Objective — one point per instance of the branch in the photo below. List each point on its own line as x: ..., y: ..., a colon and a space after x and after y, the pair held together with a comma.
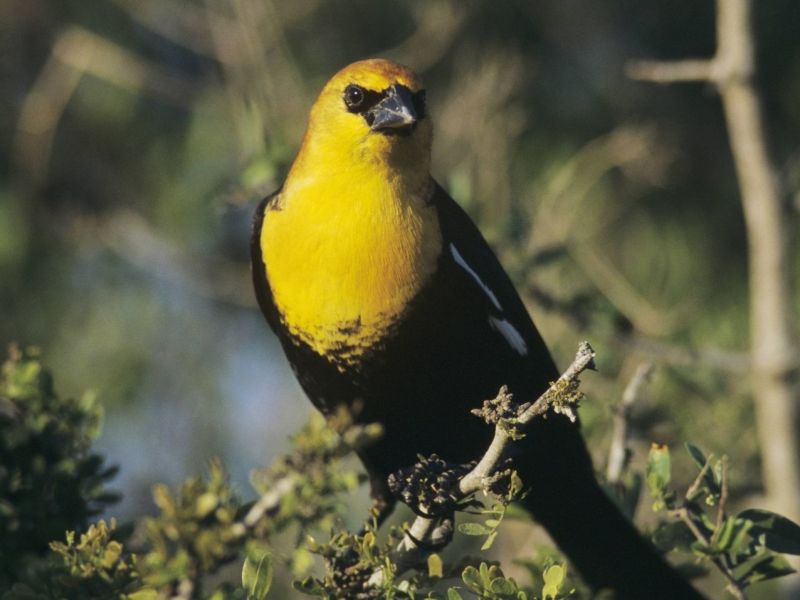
x: 267, y: 504
x: 734, y: 586
x: 657, y: 71
x: 618, y: 452
x: 774, y: 357
x: 409, y: 552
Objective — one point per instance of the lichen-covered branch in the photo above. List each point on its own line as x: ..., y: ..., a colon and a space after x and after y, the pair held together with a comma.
x: 508, y: 421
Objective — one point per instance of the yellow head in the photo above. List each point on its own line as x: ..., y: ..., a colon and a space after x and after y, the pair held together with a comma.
x: 370, y: 113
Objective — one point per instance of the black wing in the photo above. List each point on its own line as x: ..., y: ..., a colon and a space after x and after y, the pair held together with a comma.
x: 465, y: 247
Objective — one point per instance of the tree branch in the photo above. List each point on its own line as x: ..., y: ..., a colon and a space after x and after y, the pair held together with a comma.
x: 669, y: 72
x: 775, y: 362
x: 409, y: 552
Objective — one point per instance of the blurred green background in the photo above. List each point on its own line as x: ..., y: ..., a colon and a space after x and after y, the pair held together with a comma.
x: 136, y: 137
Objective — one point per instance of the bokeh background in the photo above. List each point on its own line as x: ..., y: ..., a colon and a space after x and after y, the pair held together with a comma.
x: 136, y: 137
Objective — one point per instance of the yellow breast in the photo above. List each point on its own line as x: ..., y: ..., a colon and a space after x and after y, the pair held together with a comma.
x: 345, y: 256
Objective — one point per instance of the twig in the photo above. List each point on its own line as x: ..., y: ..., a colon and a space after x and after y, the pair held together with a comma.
x: 186, y: 589
x: 723, y: 499
x: 699, y: 479
x: 672, y: 71
x: 408, y: 552
x: 266, y: 504
x: 721, y: 562
x: 618, y: 452
x: 734, y: 586
x: 473, y: 481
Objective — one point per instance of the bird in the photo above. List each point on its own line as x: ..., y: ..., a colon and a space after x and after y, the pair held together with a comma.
x: 388, y: 302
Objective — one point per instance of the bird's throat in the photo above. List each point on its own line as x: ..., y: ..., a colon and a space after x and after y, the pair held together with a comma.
x: 344, y: 260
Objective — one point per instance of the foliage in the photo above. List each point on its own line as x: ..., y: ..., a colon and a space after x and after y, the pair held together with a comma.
x: 203, y: 526
x: 199, y: 528
x: 746, y: 547
x: 93, y: 566
x: 317, y: 484
x: 50, y: 480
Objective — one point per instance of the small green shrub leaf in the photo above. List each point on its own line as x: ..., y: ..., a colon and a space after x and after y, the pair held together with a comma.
x: 780, y: 534
x: 697, y: 455
x: 452, y: 594
x: 553, y: 579
x: 473, y: 529
x: 435, y: 566
x: 257, y: 576
x: 489, y: 541
x: 767, y: 568
x: 502, y: 587
x: 472, y: 579
x: 658, y: 475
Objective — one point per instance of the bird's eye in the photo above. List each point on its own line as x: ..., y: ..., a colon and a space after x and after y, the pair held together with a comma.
x: 354, y: 96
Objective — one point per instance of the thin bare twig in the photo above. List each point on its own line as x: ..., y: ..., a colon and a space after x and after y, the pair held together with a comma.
x: 723, y: 499
x: 618, y: 453
x: 657, y: 71
x: 699, y: 479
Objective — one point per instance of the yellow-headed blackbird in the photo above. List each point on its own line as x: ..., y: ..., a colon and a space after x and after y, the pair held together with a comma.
x: 385, y: 296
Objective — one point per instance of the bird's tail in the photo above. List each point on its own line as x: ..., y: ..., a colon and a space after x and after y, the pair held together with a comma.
x: 585, y: 523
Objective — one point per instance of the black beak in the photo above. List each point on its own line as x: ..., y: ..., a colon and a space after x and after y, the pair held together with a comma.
x: 394, y: 111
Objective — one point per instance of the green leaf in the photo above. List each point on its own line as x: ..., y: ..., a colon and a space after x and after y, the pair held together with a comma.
x: 733, y: 535
x: 697, y: 455
x: 780, y: 534
x: 302, y: 561
x: 553, y: 579
x: 658, y: 473
x: 489, y: 541
x: 472, y: 579
x: 452, y: 594
x: 205, y: 504
x: 473, y: 529
x: 435, y: 566
x: 257, y: 576
x: 767, y: 568
x: 701, y: 549
x: 502, y: 586
x: 483, y: 570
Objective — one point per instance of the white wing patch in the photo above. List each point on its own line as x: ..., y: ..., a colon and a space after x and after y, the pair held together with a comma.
x: 502, y: 326
x: 463, y: 264
x: 512, y: 336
